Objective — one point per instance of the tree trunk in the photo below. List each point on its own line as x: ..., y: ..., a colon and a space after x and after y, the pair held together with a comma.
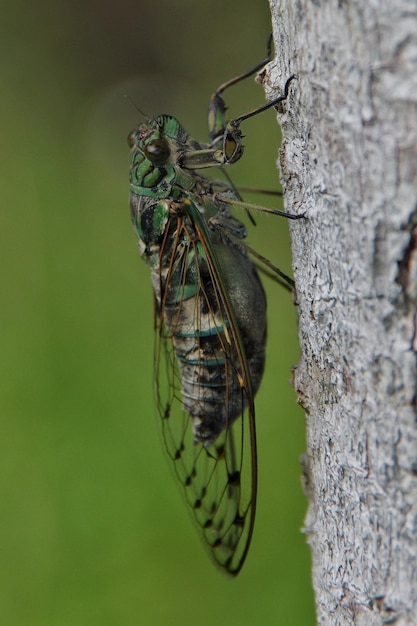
x: 349, y: 162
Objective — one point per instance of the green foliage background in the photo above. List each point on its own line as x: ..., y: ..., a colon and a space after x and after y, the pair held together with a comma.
x: 92, y: 528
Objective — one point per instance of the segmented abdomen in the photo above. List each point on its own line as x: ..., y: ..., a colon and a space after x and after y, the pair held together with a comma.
x: 214, y: 391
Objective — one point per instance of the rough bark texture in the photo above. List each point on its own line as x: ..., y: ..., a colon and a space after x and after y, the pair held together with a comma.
x: 349, y: 161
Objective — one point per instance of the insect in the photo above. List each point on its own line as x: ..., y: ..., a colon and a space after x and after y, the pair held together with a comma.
x: 210, y: 317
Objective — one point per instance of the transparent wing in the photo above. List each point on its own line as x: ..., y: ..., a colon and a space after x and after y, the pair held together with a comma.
x: 201, y: 367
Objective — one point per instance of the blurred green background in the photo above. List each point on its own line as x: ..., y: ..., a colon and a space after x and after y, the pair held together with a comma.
x: 93, y: 530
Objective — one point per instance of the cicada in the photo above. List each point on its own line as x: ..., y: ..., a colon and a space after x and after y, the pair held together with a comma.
x: 210, y: 318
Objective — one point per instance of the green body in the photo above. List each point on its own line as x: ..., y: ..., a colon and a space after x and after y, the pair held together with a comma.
x: 181, y: 230
x: 210, y: 318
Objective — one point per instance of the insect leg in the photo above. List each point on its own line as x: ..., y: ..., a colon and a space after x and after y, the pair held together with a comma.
x: 217, y: 121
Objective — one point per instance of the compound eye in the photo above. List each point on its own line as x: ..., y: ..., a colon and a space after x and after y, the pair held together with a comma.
x: 157, y: 151
x: 131, y: 138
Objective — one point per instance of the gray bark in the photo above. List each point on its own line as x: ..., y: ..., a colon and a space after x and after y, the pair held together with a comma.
x: 349, y: 162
